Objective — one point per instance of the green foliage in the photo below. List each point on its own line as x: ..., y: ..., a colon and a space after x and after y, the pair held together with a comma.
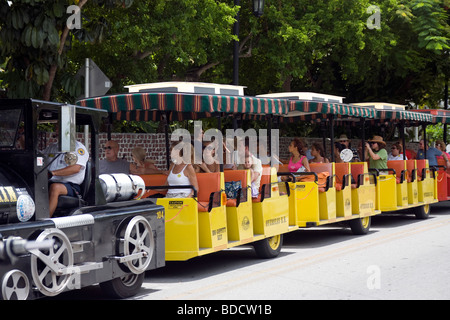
x: 297, y: 45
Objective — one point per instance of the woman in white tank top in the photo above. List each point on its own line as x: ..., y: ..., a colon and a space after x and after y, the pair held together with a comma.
x: 181, y: 174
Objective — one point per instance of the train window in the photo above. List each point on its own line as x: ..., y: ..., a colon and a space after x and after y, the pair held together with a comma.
x: 10, y: 128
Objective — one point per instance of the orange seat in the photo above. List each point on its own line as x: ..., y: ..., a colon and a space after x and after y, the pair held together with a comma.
x: 283, y: 168
x: 154, y: 180
x: 421, y: 165
x: 411, y: 168
x: 399, y: 167
x: 208, y: 189
x: 265, y: 180
x: 325, y: 173
x: 342, y: 175
x: 237, y: 175
x: 357, y: 169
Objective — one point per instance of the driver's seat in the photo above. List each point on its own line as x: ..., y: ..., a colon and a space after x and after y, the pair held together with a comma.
x: 67, y: 202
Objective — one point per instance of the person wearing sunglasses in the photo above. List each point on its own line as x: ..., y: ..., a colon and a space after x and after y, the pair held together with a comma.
x: 112, y: 163
x: 396, y: 152
x: 377, y: 154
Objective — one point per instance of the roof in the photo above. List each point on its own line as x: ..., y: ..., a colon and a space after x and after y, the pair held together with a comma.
x: 439, y: 115
x: 188, y: 87
x: 181, y: 106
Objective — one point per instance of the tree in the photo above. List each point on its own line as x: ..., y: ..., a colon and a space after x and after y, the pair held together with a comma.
x: 34, y: 41
x: 160, y: 40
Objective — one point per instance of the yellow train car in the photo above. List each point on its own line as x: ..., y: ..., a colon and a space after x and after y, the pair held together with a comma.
x: 330, y: 193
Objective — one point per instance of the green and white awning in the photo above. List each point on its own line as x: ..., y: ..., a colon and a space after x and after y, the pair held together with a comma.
x: 149, y: 106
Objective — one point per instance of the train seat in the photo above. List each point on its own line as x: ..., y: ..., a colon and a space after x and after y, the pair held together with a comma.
x: 324, y: 173
x: 234, y: 176
x: 265, y: 186
x: 400, y: 171
x: 154, y: 180
x: 209, y: 191
x: 411, y: 168
x: 67, y: 202
x: 342, y: 175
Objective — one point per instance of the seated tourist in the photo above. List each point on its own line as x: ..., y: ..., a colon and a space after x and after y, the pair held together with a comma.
x: 181, y: 172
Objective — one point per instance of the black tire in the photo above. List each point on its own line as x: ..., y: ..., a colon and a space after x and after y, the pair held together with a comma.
x: 422, y: 212
x: 125, y: 287
x: 269, y: 248
x: 360, y: 226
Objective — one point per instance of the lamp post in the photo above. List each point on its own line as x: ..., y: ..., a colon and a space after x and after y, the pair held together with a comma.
x: 258, y: 9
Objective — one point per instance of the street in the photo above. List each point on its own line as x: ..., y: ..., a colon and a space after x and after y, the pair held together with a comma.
x: 400, y: 258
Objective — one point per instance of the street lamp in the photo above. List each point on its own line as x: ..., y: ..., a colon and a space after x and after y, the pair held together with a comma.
x: 258, y: 9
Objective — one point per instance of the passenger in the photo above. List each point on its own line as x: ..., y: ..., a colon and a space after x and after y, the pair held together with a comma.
x: 347, y: 144
x: 255, y: 174
x: 209, y: 153
x: 298, y: 162
x: 181, y: 172
x: 440, y: 145
x: 142, y: 165
x: 306, y: 151
x: 432, y: 154
x: 377, y: 154
x: 410, y: 154
x: 112, y: 163
x: 395, y: 153
x: 318, y: 154
x: 66, y: 177
x: 338, y: 147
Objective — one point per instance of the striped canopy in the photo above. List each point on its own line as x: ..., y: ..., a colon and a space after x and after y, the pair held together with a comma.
x: 409, y: 116
x: 439, y: 115
x: 307, y: 110
x: 150, y: 106
x: 315, y: 110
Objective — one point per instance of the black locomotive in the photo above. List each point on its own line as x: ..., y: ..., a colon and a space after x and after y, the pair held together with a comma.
x: 88, y: 240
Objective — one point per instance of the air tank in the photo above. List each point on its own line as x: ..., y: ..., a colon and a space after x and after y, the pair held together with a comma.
x: 121, y: 186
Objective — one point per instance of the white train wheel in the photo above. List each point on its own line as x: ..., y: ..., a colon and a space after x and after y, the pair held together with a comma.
x: 47, y: 265
x: 15, y: 286
x: 138, y: 239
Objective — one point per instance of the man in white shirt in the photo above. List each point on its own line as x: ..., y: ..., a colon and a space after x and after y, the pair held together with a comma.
x: 66, y: 175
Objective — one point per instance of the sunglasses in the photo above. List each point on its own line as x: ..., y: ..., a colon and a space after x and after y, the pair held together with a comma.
x: 108, y: 148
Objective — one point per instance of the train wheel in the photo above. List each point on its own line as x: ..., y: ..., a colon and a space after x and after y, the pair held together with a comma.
x: 125, y: 287
x: 269, y: 248
x: 15, y: 286
x: 422, y: 212
x: 360, y: 226
x: 138, y: 239
x: 46, y: 264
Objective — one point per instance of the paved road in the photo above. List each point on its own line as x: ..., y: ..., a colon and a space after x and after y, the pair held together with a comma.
x: 400, y: 258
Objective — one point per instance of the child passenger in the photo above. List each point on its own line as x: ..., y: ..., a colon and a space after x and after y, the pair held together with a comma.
x: 255, y: 174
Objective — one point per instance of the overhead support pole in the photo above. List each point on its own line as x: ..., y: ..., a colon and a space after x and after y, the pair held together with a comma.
x: 363, y: 140
x: 331, y: 118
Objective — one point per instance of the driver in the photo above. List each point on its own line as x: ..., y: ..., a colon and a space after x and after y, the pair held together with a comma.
x: 67, y: 172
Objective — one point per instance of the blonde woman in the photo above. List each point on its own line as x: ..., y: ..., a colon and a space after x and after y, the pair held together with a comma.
x: 141, y: 165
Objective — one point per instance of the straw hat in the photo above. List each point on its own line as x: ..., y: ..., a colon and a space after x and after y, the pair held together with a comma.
x: 342, y: 137
x: 378, y: 140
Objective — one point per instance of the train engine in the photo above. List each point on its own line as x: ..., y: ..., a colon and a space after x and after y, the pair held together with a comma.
x: 93, y: 238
